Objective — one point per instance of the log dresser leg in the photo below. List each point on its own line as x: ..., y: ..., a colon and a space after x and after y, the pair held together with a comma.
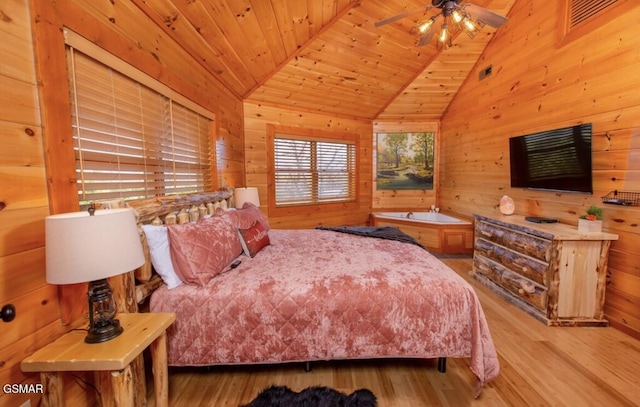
x: 53, y: 386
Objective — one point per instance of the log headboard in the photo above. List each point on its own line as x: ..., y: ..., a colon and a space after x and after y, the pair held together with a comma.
x: 130, y: 290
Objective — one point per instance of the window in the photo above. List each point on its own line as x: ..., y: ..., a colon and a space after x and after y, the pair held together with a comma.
x: 132, y: 141
x: 312, y: 167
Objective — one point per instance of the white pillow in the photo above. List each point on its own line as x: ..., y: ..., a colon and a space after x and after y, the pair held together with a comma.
x: 158, y: 242
x: 245, y: 249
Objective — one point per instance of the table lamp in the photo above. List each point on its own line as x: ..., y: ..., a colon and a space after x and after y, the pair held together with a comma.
x: 248, y: 194
x: 90, y: 247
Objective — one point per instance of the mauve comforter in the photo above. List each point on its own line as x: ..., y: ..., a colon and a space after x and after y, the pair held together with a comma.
x: 323, y: 295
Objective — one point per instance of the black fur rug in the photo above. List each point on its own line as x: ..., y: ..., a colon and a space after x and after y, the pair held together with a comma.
x: 282, y: 396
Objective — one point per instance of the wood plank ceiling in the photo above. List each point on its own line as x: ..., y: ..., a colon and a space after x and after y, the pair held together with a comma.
x: 324, y: 55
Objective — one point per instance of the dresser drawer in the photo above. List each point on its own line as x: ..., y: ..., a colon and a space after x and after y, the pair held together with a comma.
x: 514, y: 283
x: 525, y: 243
x: 525, y: 266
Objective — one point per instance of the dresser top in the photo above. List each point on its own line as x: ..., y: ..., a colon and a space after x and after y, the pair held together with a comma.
x: 551, y: 231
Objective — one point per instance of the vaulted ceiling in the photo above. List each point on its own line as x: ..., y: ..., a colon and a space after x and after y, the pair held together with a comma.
x: 324, y: 55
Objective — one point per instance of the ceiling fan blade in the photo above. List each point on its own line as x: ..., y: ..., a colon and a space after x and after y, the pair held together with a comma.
x: 401, y: 16
x: 495, y: 20
x: 426, y: 38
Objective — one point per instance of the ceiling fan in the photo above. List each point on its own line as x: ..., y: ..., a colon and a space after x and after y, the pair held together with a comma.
x: 454, y: 15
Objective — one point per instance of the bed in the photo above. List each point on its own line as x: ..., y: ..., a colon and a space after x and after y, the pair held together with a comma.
x: 244, y: 293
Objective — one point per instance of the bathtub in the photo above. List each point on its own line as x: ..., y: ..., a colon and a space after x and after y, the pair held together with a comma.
x: 438, y: 232
x: 428, y: 217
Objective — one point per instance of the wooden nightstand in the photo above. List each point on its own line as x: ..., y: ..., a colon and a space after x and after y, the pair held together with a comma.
x: 111, y: 360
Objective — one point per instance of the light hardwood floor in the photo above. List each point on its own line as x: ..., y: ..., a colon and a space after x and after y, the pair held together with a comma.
x: 540, y: 366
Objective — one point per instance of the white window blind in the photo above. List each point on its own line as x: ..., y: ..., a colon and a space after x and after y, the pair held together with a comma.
x: 309, y: 170
x: 131, y: 141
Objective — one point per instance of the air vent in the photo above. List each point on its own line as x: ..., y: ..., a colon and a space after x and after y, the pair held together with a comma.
x: 581, y: 17
x: 582, y: 10
x: 485, y: 72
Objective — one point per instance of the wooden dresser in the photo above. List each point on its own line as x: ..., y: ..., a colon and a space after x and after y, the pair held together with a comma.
x: 552, y: 271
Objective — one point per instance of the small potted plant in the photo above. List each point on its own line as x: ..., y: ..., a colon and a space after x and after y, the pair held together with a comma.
x: 591, y: 221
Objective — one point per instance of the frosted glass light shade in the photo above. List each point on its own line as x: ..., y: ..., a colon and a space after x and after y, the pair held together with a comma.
x: 249, y: 194
x: 81, y: 248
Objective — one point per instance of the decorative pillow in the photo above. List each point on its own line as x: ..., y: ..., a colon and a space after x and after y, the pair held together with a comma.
x: 201, y: 250
x: 254, y: 239
x: 245, y: 218
x: 158, y: 242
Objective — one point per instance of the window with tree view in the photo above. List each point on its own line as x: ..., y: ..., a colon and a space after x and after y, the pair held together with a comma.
x: 309, y: 169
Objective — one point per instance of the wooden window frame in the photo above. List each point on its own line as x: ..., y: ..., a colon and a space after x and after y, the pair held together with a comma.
x: 175, y: 158
x: 297, y: 133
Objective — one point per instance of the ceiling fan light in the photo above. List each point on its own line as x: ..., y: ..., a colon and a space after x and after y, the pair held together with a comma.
x: 457, y: 16
x: 444, y: 34
x: 468, y: 24
x: 472, y: 28
x: 444, y: 38
x: 425, y: 26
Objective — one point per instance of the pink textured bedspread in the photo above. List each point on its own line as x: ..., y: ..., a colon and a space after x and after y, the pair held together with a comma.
x: 323, y: 295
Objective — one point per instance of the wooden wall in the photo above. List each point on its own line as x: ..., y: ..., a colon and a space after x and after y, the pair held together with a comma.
x: 407, y: 200
x: 257, y: 118
x: 34, y: 112
x: 23, y: 204
x: 538, y: 84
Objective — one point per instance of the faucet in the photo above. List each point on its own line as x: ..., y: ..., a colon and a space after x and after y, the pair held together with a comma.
x: 410, y: 215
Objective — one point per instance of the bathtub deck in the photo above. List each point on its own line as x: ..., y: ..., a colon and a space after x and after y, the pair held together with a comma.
x: 441, y: 238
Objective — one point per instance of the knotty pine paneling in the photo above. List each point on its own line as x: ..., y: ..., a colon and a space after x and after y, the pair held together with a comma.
x: 30, y: 263
x: 256, y: 120
x: 28, y: 190
x: 115, y: 27
x: 17, y: 98
x: 536, y: 85
x: 405, y: 200
x: 23, y: 204
x: 21, y: 144
x: 199, y: 41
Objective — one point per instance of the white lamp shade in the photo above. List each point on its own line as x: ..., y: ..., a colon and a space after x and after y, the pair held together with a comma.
x: 249, y: 194
x: 81, y: 248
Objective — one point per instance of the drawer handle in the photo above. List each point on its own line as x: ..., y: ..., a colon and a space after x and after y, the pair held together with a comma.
x: 526, y: 287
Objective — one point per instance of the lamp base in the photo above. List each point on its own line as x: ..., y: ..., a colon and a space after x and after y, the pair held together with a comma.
x: 104, y: 333
x: 102, y: 310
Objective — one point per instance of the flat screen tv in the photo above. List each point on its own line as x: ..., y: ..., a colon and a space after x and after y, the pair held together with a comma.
x: 557, y: 160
